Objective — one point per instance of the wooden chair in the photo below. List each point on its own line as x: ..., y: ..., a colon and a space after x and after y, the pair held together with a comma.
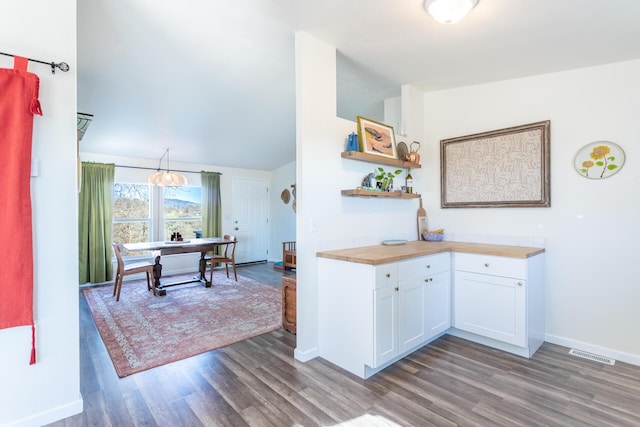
x: 228, y: 257
x: 289, y: 258
x: 132, y: 268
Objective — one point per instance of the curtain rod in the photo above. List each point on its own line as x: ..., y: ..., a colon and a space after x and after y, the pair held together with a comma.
x: 159, y: 169
x: 63, y: 66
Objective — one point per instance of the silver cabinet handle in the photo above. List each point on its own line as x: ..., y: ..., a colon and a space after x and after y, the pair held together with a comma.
x: 520, y: 283
x: 486, y: 264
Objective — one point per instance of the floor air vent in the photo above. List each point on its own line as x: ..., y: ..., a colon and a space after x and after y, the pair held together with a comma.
x: 591, y: 356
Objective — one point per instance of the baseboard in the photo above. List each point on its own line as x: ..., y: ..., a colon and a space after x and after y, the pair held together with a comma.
x: 632, y: 359
x: 49, y: 416
x: 305, y: 356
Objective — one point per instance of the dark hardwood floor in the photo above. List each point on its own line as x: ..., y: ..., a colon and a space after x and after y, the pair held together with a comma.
x: 446, y: 383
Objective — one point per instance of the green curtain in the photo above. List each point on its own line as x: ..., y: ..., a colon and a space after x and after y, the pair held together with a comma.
x: 95, y: 212
x: 211, y: 205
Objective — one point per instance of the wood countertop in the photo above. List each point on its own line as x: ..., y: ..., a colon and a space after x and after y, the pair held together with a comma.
x: 382, y: 254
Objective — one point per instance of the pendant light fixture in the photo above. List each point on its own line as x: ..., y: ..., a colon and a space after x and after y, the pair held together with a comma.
x: 167, y: 178
x: 449, y: 11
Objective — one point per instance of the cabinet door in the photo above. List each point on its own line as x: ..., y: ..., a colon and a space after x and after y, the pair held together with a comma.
x: 438, y: 289
x: 490, y: 306
x: 411, y: 314
x: 385, y: 314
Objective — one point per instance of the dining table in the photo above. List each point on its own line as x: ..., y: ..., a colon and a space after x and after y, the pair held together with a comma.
x: 171, y: 247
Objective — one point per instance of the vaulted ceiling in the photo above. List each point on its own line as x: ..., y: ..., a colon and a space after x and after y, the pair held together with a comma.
x: 214, y: 80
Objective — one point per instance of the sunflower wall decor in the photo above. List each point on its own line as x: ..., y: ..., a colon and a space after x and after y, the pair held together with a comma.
x: 600, y: 159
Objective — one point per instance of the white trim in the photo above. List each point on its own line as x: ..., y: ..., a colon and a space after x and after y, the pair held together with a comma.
x: 633, y: 359
x: 305, y: 356
x: 49, y: 416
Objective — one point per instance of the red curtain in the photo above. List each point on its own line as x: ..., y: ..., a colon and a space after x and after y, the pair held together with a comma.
x: 18, y: 103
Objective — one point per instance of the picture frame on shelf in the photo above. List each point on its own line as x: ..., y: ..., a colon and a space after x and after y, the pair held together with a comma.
x: 376, y: 138
x: 497, y: 169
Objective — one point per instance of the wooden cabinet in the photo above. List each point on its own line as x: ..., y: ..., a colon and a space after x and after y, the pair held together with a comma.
x: 499, y: 301
x: 371, y: 316
x: 372, y: 158
x: 289, y: 311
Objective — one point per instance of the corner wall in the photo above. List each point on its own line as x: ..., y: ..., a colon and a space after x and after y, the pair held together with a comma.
x: 591, y: 229
x: 283, y: 217
x: 50, y: 389
x: 326, y: 220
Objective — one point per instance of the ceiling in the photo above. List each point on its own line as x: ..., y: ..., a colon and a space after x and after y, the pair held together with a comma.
x: 214, y: 80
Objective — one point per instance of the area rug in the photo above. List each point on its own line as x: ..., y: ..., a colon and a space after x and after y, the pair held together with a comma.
x: 142, y: 331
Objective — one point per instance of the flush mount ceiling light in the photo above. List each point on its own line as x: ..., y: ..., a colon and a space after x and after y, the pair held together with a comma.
x: 167, y: 178
x: 449, y: 11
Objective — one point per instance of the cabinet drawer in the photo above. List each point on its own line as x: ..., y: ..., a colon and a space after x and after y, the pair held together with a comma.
x: 424, y: 266
x: 386, y: 275
x: 490, y: 264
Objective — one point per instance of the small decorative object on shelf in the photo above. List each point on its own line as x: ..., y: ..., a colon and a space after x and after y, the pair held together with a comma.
x: 409, y: 182
x: 367, y: 181
x: 402, y: 150
x: 386, y: 178
x: 352, y: 142
x: 376, y: 138
x: 413, y: 155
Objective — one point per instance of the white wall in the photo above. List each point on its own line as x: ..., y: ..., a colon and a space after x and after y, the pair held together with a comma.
x: 327, y: 220
x: 589, y: 232
x: 283, y: 217
x: 591, y: 229
x: 50, y: 389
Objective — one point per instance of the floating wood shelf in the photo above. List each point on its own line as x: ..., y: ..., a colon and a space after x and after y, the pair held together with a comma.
x: 361, y: 192
x: 372, y: 158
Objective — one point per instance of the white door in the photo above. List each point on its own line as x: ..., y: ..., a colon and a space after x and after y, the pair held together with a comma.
x: 250, y: 218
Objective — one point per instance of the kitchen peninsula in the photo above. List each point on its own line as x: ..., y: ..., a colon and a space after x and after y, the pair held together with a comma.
x: 379, y: 303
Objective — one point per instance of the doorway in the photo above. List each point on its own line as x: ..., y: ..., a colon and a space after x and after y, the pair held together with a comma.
x: 250, y: 217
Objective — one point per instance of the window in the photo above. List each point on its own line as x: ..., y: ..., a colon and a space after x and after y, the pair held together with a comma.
x: 143, y: 213
x: 131, y: 213
x: 182, y: 211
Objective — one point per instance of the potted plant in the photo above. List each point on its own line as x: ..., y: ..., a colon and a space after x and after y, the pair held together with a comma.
x: 386, y: 178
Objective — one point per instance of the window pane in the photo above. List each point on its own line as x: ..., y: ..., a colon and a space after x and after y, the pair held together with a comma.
x: 187, y: 228
x: 131, y: 201
x: 130, y: 231
x: 182, y: 202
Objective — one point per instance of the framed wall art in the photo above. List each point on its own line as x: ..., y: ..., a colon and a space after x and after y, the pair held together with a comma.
x: 376, y: 138
x: 599, y: 160
x: 501, y: 168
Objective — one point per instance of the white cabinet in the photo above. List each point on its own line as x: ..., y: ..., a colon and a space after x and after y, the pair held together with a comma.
x: 491, y: 306
x: 499, y: 301
x: 398, y: 311
x: 385, y: 316
x: 371, y: 316
x: 438, y: 304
